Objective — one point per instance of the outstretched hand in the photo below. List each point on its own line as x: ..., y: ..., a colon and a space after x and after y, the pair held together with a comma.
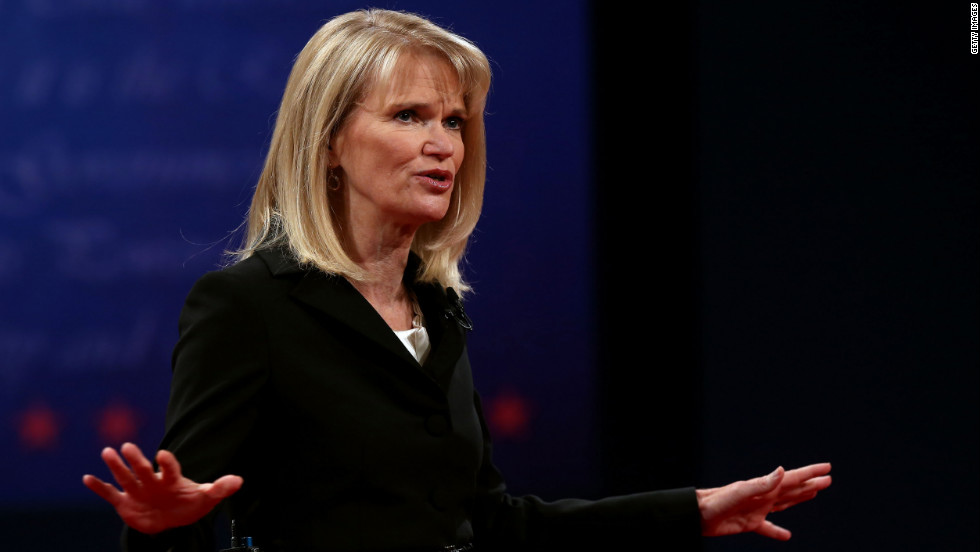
x: 150, y: 501
x: 743, y: 506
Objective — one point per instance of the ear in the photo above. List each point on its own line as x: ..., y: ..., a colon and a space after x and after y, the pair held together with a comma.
x: 331, y: 158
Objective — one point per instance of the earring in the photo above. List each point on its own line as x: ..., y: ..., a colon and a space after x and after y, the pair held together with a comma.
x: 333, y: 182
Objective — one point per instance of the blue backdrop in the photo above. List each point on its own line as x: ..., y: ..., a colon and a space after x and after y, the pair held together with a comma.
x: 133, y: 133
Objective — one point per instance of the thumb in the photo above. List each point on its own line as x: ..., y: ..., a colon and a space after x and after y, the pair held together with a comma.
x: 769, y: 482
x: 224, y: 487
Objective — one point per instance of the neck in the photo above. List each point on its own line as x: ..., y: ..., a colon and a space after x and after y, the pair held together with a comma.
x: 383, y: 254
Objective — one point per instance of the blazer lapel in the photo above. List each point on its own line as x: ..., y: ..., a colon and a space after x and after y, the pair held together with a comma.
x: 337, y: 298
x: 446, y: 336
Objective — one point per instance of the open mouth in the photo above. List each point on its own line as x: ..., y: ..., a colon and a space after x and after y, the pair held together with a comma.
x: 438, y: 175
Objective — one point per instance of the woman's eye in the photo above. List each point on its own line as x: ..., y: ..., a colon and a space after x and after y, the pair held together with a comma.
x: 404, y: 116
x: 454, y: 123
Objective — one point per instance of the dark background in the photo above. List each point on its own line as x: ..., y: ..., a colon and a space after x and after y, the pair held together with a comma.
x: 791, y: 207
x: 717, y: 238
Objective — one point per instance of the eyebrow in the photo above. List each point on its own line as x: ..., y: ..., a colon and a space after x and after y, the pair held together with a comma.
x: 415, y: 106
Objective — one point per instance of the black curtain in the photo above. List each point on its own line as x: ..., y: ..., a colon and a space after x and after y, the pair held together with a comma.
x: 788, y: 259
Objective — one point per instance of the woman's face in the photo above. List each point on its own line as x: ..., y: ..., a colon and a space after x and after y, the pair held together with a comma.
x: 400, y: 148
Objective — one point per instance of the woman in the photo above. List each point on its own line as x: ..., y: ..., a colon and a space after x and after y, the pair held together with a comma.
x: 328, y: 366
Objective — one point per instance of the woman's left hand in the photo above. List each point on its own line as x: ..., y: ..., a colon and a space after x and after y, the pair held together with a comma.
x: 743, y: 506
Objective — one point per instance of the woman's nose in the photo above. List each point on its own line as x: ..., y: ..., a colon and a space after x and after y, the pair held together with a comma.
x: 439, y: 143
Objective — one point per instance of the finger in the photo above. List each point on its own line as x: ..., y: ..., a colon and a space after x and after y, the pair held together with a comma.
x: 105, y: 490
x: 773, y: 531
x: 169, y: 467
x: 801, y: 494
x: 817, y: 483
x: 814, y: 485
x: 741, y: 491
x: 141, y: 467
x: 120, y: 472
x: 224, y: 487
x: 807, y: 472
x: 820, y: 483
x: 784, y: 504
x: 766, y: 483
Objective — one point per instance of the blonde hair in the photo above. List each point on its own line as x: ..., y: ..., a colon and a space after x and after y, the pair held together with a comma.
x: 292, y: 206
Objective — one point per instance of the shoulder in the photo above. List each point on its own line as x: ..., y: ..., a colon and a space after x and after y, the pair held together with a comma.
x: 256, y: 275
x: 240, y: 291
x: 231, y: 312
x: 253, y: 269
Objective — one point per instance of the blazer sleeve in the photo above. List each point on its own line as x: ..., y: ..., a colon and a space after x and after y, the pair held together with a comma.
x: 658, y: 520
x: 220, y: 364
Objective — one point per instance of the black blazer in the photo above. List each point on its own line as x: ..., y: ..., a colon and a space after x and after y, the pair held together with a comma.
x: 289, y: 378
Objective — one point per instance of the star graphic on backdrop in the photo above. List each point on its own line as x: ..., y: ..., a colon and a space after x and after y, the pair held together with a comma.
x: 38, y: 427
x: 508, y: 414
x: 117, y: 423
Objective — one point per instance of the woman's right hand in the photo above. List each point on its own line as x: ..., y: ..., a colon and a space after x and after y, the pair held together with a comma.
x: 150, y: 501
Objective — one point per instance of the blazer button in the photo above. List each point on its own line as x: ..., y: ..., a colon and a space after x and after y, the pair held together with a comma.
x: 437, y: 425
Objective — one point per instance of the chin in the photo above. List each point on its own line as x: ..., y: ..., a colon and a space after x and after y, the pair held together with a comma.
x: 421, y: 218
x: 435, y: 213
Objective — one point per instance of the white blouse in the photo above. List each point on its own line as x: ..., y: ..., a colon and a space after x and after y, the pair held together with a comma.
x: 416, y: 340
